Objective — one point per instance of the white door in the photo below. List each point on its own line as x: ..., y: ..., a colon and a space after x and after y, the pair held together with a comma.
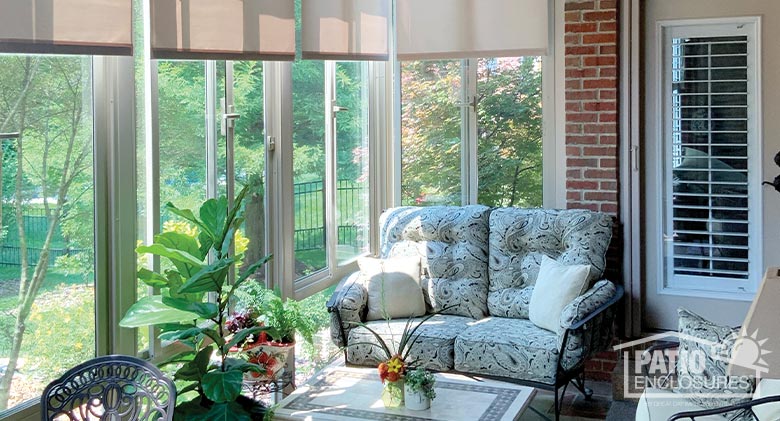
x: 708, y: 99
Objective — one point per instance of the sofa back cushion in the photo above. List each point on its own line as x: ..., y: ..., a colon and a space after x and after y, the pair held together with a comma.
x: 452, y: 243
x: 520, y: 237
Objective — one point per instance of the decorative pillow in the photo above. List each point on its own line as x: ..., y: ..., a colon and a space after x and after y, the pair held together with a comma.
x: 556, y: 286
x: 707, y: 382
x: 393, y: 287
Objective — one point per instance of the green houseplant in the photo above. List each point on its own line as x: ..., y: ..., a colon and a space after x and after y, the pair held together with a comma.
x: 286, y: 317
x: 419, y: 391
x: 209, y: 379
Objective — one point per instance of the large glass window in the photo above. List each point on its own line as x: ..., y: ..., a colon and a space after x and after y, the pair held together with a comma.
x: 47, y: 259
x: 471, y: 131
x: 431, y: 132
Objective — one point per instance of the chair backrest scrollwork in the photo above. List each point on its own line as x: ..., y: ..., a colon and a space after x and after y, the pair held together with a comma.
x: 113, y: 387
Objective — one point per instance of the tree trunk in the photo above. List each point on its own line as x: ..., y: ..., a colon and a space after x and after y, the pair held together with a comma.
x: 254, y: 228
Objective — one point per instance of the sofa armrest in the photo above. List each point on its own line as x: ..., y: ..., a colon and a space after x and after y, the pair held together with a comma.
x: 346, y: 306
x: 586, y: 324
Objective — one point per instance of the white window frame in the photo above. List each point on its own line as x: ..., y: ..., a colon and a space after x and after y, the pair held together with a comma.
x: 114, y: 176
x: 280, y: 209
x: 687, y: 285
x: 553, y: 121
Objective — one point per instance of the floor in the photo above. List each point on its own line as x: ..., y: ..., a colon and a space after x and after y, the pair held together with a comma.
x: 577, y: 408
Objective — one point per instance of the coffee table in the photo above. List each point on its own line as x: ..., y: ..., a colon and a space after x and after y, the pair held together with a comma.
x: 347, y: 393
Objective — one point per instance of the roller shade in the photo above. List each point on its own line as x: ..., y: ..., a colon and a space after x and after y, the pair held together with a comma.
x: 101, y: 27
x: 223, y: 29
x: 345, y: 29
x: 451, y: 29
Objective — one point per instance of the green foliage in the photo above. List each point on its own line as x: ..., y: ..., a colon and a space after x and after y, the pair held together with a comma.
x: 509, y: 138
x: 421, y: 380
x: 182, y: 314
x: 286, y: 317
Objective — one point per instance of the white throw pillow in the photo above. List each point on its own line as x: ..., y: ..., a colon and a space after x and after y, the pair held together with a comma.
x: 556, y: 286
x: 393, y: 287
x: 767, y: 411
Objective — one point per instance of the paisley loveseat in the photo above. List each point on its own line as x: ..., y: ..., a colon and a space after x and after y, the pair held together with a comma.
x: 479, y: 267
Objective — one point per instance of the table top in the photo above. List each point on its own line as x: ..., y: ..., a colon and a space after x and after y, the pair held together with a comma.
x: 350, y: 393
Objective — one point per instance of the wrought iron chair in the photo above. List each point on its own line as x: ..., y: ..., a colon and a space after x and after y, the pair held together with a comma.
x: 113, y: 387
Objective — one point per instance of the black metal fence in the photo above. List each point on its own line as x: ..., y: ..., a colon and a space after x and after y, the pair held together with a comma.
x: 310, y: 214
x: 309, y: 223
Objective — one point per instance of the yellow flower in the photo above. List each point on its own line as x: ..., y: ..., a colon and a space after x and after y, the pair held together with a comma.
x: 395, y: 364
x: 79, y: 345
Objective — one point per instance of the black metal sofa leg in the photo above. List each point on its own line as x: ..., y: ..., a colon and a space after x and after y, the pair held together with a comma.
x: 579, y: 383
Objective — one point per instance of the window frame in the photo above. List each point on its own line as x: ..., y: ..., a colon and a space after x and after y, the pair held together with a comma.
x: 717, y: 288
x: 113, y: 115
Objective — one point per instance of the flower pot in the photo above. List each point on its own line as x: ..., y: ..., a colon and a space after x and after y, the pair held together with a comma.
x: 393, y: 394
x: 273, y: 356
x: 415, y: 399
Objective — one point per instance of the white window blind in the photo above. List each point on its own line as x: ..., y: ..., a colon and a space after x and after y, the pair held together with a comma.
x: 452, y: 29
x: 98, y: 27
x: 345, y: 29
x: 223, y: 29
x: 711, y: 193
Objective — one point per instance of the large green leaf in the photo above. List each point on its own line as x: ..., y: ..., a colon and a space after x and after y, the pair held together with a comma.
x: 186, y: 214
x: 177, y: 335
x: 196, y: 369
x: 175, y: 256
x: 222, y: 386
x: 204, y: 310
x: 152, y: 311
x: 178, y: 241
x: 213, y: 213
x: 225, y: 411
x: 210, y: 278
x: 153, y: 279
x: 247, y: 273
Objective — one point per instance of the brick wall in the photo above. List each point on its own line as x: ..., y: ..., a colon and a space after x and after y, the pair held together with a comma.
x: 591, y: 47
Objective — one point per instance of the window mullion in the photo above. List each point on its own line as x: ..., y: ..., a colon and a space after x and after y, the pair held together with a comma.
x: 469, y: 169
x: 331, y: 235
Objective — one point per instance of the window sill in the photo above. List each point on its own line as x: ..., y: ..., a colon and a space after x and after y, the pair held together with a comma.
x: 716, y: 295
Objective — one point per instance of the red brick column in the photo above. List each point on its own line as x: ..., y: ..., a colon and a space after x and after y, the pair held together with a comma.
x: 591, y: 105
x: 591, y: 47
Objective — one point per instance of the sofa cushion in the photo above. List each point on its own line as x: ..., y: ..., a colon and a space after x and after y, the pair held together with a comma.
x: 505, y: 347
x: 433, y: 350
x: 520, y: 237
x: 659, y: 405
x: 393, y: 287
x: 452, y: 244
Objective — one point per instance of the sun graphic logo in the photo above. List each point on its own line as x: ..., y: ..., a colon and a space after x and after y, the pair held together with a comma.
x: 748, y: 352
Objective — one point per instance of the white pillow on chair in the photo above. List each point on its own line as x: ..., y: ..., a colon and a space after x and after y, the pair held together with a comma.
x: 556, y: 286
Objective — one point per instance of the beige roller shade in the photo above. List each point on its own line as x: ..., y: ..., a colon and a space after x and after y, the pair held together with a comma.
x: 345, y: 29
x: 101, y: 27
x: 223, y: 29
x: 442, y: 29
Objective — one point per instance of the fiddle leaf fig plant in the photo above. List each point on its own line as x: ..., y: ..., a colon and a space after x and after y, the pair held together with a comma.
x: 198, y: 269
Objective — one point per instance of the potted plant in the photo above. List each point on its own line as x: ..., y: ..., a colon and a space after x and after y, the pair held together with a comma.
x: 209, y: 379
x: 418, y: 389
x: 284, y: 317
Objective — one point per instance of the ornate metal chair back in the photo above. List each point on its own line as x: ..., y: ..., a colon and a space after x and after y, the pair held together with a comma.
x: 111, y: 388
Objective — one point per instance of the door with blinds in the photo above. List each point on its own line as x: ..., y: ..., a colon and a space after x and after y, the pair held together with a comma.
x: 704, y: 160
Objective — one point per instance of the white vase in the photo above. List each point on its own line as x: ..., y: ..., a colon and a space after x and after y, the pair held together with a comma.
x: 415, y: 399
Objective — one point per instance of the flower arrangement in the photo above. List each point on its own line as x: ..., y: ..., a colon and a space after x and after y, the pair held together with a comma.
x: 392, y: 370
